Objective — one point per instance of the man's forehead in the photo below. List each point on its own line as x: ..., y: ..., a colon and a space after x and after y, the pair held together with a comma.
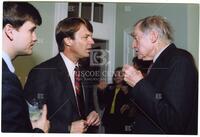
x: 84, y: 29
x: 136, y: 31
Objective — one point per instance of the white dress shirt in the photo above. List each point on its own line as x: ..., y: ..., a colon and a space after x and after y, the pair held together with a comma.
x: 70, y: 67
x: 8, y: 61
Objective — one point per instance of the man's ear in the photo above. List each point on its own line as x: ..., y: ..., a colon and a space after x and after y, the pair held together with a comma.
x: 68, y: 41
x: 9, y: 31
x: 153, y: 36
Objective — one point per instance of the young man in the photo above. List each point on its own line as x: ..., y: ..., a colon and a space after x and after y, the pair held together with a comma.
x: 168, y: 96
x: 69, y: 104
x: 20, y: 20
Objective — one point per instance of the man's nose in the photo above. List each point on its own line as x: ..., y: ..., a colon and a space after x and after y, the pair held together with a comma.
x: 34, y: 37
x: 134, y: 45
x: 91, y: 41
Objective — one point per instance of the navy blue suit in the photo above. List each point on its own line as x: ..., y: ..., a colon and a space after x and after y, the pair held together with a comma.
x: 168, y: 96
x: 51, y: 80
x: 15, y: 115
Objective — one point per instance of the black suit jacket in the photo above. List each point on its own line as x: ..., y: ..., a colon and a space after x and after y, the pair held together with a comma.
x: 167, y: 97
x: 50, y: 81
x: 15, y: 115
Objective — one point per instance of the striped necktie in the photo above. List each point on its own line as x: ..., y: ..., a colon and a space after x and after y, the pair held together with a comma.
x: 79, y: 93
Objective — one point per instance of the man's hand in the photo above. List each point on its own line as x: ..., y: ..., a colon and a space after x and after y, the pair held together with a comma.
x: 42, y: 123
x: 93, y: 119
x: 124, y: 108
x: 131, y: 75
x: 79, y: 126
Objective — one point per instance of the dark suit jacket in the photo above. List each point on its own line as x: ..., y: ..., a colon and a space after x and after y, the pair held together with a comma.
x: 168, y: 96
x: 50, y: 81
x: 15, y: 115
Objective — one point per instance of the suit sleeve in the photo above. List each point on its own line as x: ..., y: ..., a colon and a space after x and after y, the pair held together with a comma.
x: 170, y: 107
x: 15, y: 117
x: 58, y: 126
x: 39, y: 85
x: 90, y: 99
x: 36, y: 86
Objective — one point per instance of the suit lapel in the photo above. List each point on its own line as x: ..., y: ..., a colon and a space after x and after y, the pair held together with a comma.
x: 85, y: 95
x: 64, y: 76
x: 161, y: 61
x: 84, y: 87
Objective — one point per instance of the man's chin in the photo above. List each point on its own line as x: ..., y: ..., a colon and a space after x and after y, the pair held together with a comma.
x: 84, y: 56
x: 140, y: 57
x: 143, y: 57
x: 87, y: 55
x: 147, y: 58
x: 26, y: 53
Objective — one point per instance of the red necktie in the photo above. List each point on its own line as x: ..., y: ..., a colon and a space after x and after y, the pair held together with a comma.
x: 77, y: 80
x: 79, y: 94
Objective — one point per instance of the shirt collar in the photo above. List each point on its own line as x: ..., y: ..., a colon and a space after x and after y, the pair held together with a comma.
x: 69, y: 64
x: 8, y: 61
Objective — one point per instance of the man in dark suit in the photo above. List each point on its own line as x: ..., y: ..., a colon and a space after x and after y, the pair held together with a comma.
x: 167, y: 97
x: 55, y: 80
x: 20, y: 20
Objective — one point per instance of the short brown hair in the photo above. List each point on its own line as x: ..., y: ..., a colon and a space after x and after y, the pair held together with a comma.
x: 16, y: 13
x: 67, y: 27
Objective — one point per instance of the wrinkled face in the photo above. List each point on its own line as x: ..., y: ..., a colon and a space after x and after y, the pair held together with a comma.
x: 24, y: 38
x: 81, y: 45
x: 142, y: 44
x: 118, y: 77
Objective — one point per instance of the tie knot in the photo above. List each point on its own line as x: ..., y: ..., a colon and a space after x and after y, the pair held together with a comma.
x: 77, y: 73
x: 76, y: 68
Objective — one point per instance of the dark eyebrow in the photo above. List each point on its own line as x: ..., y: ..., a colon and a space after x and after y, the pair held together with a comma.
x: 132, y: 35
x: 87, y: 35
x: 33, y: 28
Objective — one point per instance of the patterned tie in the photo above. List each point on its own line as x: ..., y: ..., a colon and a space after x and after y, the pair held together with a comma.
x: 77, y: 80
x: 79, y: 93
